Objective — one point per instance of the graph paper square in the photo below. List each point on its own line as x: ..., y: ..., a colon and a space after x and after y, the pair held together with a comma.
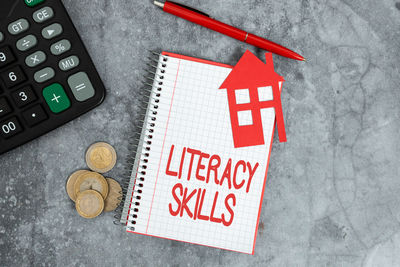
x: 193, y: 114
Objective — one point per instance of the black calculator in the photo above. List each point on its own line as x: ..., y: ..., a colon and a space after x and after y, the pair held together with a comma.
x: 46, y: 75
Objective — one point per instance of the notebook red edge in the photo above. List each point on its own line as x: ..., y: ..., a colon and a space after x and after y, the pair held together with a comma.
x: 204, y: 61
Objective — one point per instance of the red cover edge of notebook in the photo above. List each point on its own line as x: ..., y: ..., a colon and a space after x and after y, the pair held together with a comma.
x: 266, y: 170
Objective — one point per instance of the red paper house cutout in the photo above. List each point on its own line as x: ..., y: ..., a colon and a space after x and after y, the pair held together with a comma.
x: 252, y: 74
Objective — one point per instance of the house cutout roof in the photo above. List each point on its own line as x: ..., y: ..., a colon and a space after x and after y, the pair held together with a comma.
x: 250, y: 71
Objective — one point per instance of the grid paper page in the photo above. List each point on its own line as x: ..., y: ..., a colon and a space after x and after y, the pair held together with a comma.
x: 194, y: 114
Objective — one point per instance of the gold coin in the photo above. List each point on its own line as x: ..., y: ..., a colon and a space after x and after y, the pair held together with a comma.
x: 71, y: 182
x: 101, y: 157
x: 89, y: 204
x: 91, y: 181
x: 114, y: 195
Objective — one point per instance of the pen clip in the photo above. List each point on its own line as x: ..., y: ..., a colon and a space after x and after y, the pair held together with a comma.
x: 190, y: 8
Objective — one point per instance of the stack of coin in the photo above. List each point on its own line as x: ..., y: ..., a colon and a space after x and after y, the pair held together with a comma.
x: 91, y: 192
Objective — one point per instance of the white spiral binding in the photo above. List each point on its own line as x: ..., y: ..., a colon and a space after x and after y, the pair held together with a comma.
x: 141, y: 142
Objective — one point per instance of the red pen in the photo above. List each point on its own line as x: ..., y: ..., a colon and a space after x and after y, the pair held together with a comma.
x: 204, y: 20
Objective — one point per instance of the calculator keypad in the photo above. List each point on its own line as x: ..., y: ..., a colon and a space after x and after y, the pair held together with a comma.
x: 26, y: 43
x: 52, y: 31
x: 4, y: 107
x: 6, y: 56
x: 19, y: 26
x: 34, y: 115
x: 35, y: 59
x: 23, y: 96
x: 10, y: 127
x: 43, y: 14
x: 13, y: 76
x: 46, y: 75
x: 81, y: 86
x: 56, y: 98
x: 68, y: 63
x: 33, y: 3
x: 60, y: 47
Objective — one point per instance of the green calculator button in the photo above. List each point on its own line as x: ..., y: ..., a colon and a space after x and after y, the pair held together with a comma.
x: 56, y: 98
x: 32, y: 3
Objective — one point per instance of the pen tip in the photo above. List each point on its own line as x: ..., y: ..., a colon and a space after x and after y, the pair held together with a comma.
x: 298, y: 57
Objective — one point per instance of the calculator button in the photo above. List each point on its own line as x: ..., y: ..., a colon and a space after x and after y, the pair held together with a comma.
x: 34, y: 115
x: 32, y: 3
x: 23, y: 96
x: 52, y: 31
x: 81, y: 86
x: 35, y: 59
x: 13, y: 76
x: 1, y: 37
x: 43, y: 14
x: 10, y: 127
x: 44, y: 75
x: 56, y: 98
x: 26, y: 43
x: 6, y: 56
x: 18, y: 26
x: 4, y: 107
x: 68, y: 63
x: 60, y: 47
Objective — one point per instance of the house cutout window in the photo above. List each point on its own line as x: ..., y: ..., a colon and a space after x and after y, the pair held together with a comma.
x: 245, y: 118
x: 242, y: 96
x: 265, y: 93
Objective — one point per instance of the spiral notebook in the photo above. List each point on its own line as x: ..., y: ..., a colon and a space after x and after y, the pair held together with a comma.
x: 188, y: 181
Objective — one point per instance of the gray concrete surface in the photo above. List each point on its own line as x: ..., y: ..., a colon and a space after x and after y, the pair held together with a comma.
x: 333, y: 193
